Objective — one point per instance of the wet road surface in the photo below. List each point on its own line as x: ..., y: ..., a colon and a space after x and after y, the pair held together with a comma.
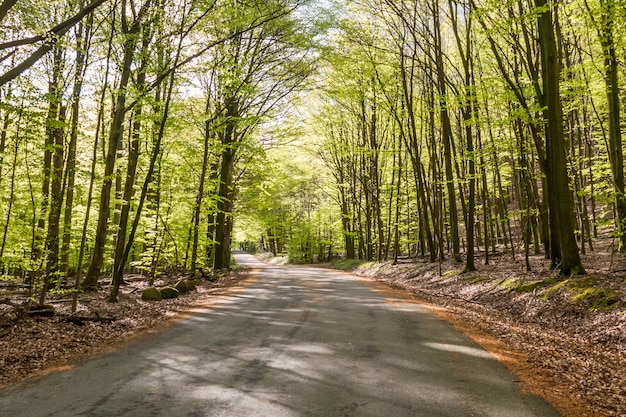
x: 294, y: 341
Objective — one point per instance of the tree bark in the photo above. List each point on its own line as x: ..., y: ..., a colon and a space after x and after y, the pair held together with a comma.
x: 225, y: 190
x: 570, y: 262
x: 82, y: 43
x: 200, y: 194
x: 115, y: 136
x: 446, y: 136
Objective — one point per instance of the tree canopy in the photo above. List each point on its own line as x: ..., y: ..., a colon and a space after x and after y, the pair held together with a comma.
x: 158, y: 135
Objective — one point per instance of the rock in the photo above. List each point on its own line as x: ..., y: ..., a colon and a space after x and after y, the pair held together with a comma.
x: 151, y: 294
x: 169, y: 292
x: 184, y: 286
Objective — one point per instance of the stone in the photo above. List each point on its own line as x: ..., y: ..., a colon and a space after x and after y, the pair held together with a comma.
x: 169, y: 292
x: 151, y: 294
x: 184, y: 286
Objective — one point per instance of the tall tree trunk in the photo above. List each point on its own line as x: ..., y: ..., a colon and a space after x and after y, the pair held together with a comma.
x: 200, y: 193
x: 133, y: 159
x: 211, y: 216
x: 53, y: 171
x: 6, y: 121
x: 82, y: 42
x: 396, y: 223
x: 56, y: 203
x: 99, y: 132
x: 469, y: 115
x: 11, y: 191
x: 226, y: 187
x: 224, y: 210
x: 606, y: 32
x: 154, y: 158
x: 569, y: 263
x: 115, y: 136
x: 446, y: 135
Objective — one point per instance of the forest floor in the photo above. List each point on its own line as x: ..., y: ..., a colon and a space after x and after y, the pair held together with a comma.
x: 564, y: 338
x: 32, y: 344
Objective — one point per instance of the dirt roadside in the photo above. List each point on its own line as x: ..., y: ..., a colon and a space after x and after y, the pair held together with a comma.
x: 32, y: 345
x: 564, y: 338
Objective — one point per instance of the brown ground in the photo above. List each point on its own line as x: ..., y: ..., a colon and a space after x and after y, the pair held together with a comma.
x: 30, y: 345
x: 574, y: 357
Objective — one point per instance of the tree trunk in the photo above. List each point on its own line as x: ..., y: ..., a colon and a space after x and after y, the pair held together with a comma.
x: 226, y: 187
x: 53, y: 173
x: 469, y: 115
x: 82, y: 42
x: 200, y: 193
x: 570, y: 263
x: 446, y: 136
x: 133, y: 159
x: 611, y: 80
x: 115, y: 136
x: 11, y: 192
x: 99, y: 131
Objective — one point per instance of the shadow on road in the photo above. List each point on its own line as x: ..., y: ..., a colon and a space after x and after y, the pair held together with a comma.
x: 298, y: 341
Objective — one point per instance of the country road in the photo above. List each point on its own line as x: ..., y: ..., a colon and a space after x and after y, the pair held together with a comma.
x: 292, y: 341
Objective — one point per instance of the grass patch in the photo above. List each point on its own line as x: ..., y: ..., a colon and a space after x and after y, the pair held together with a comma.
x: 531, y: 286
x: 600, y: 300
x: 367, y: 265
x: 510, y: 284
x: 583, y: 290
x: 552, y: 290
x: 607, y: 301
x: 477, y: 279
x: 347, y: 264
x: 582, y: 295
x: 583, y: 282
x: 451, y: 273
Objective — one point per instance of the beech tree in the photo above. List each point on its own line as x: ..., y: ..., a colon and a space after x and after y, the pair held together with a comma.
x: 454, y: 127
x: 558, y: 184
x: 131, y: 133
x: 259, y: 68
x: 130, y: 28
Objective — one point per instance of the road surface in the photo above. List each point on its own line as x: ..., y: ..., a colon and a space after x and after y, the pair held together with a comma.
x: 294, y: 341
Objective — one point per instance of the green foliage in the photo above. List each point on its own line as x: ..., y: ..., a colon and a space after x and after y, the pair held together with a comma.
x: 477, y: 279
x: 597, y: 299
x: 300, y: 151
x: 509, y: 284
x: 347, y: 264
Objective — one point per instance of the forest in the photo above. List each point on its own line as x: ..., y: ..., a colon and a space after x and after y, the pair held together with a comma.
x: 153, y: 136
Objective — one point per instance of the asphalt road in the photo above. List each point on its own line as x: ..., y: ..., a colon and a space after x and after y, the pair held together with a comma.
x: 294, y: 341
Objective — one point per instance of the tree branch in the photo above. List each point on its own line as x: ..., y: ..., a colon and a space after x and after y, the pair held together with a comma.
x: 50, y: 38
x: 5, y: 7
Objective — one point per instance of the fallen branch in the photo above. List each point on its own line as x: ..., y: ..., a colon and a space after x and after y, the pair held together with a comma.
x: 80, y: 320
x: 69, y: 300
x: 41, y: 311
x: 13, y: 304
